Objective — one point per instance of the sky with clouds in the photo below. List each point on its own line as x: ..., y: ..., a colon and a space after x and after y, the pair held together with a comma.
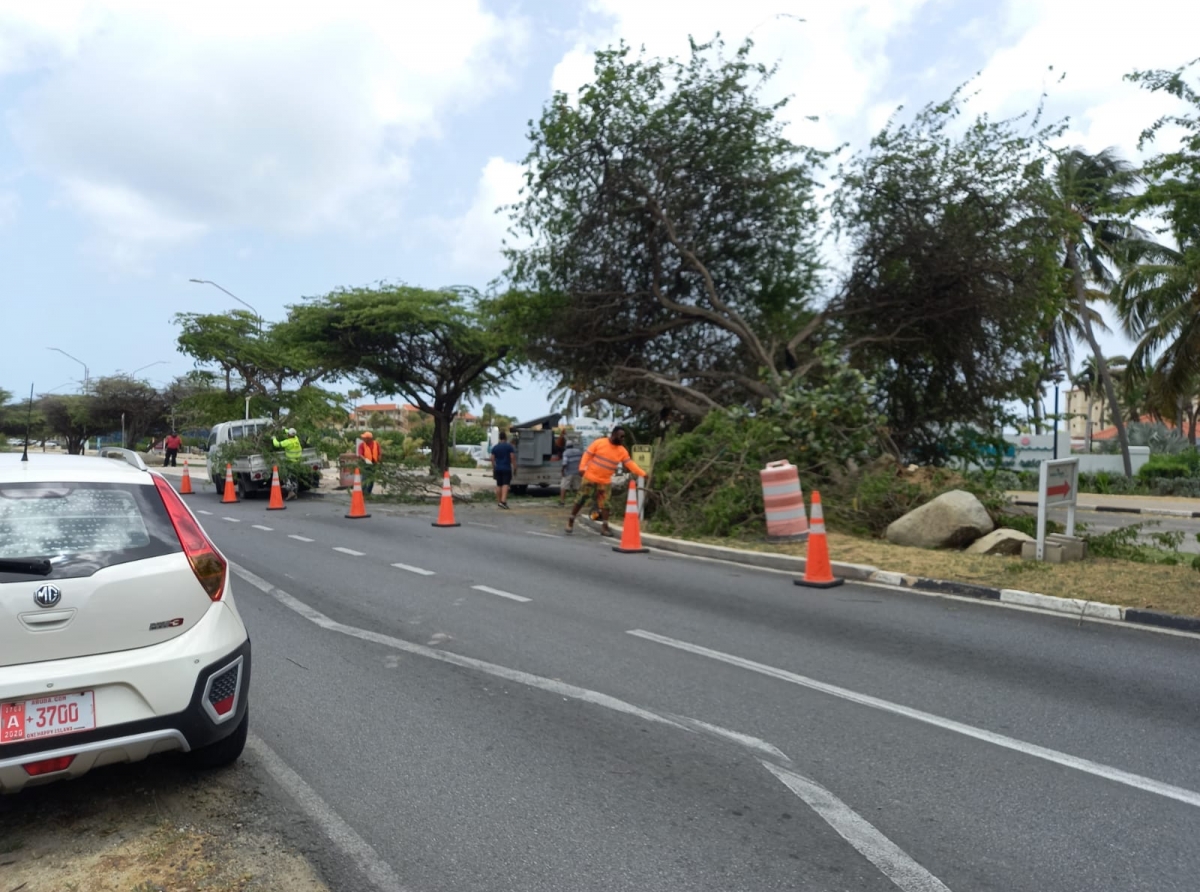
x: 283, y: 150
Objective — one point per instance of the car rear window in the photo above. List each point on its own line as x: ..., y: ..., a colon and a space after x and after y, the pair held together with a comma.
x: 83, y: 527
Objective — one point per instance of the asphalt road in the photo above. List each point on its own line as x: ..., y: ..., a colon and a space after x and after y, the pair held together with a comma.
x: 596, y: 721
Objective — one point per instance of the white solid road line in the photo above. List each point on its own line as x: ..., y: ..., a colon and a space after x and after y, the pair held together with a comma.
x: 476, y: 523
x: 891, y: 860
x: 1087, y: 766
x: 502, y: 594
x: 349, y: 551
x: 544, y: 535
x: 299, y: 538
x: 231, y: 519
x: 259, y: 526
x: 356, y: 849
x: 411, y: 569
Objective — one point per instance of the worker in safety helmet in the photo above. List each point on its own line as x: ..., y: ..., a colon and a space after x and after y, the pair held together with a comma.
x: 601, y: 460
x: 369, y: 453
x: 290, y: 444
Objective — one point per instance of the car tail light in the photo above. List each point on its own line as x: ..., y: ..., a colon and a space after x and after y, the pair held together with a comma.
x: 207, y: 563
x: 48, y: 766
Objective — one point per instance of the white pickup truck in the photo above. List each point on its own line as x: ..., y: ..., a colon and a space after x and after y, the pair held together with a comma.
x: 252, y: 473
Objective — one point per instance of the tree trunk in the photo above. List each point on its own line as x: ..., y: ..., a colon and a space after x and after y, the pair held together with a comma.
x: 1037, y: 412
x: 439, y: 448
x: 1110, y: 392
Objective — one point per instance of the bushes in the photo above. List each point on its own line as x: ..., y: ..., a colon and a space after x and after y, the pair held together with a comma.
x: 1171, y: 467
x: 866, y: 502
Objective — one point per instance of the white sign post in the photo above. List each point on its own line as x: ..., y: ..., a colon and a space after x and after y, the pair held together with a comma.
x: 1058, y: 484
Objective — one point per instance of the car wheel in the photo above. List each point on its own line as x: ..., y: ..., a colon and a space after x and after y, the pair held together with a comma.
x: 223, y: 752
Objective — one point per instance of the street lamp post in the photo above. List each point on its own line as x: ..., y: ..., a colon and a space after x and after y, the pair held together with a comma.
x: 257, y: 315
x: 143, y: 368
x: 86, y: 377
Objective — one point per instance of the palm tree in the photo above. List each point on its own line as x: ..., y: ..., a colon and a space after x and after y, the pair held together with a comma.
x: 1088, y: 381
x: 1087, y: 190
x: 1159, y: 303
x: 1064, y: 328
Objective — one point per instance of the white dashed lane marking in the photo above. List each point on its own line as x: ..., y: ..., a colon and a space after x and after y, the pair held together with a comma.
x: 411, y: 569
x: 202, y: 511
x: 259, y: 526
x: 299, y: 538
x: 502, y: 594
x: 349, y: 551
x: 231, y: 519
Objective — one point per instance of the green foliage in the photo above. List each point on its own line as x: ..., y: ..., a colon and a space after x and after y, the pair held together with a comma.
x: 825, y: 417
x: 1171, y: 467
x: 668, y: 230
x: 431, y: 346
x: 706, y: 481
x: 1124, y: 543
x: 954, y: 274
x: 868, y: 501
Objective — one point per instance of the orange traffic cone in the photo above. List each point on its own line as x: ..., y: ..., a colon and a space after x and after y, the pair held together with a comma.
x: 818, y: 572
x: 631, y: 531
x: 230, y: 493
x: 358, y: 505
x: 276, y: 503
x: 446, y: 507
x: 185, y: 488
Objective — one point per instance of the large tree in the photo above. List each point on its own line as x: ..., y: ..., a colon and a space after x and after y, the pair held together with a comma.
x: 252, y: 360
x: 1160, y: 290
x: 120, y: 403
x: 69, y: 417
x: 664, y: 256
x: 952, y: 287
x: 1088, y: 193
x: 432, y: 347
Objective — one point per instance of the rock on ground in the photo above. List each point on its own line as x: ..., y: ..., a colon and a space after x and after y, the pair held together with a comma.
x: 1001, y: 541
x: 952, y: 520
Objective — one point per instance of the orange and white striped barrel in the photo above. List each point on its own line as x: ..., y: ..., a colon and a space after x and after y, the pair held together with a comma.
x: 784, y: 502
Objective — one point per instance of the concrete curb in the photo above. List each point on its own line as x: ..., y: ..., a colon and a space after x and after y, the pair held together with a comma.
x: 862, y: 573
x: 1120, y: 509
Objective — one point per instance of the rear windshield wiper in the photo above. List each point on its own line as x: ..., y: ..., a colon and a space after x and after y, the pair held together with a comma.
x: 32, y: 566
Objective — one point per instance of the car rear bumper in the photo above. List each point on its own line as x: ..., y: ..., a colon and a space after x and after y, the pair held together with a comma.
x: 150, y: 700
x: 196, y: 726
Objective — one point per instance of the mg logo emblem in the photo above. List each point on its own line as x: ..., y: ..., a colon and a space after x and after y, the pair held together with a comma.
x: 47, y: 596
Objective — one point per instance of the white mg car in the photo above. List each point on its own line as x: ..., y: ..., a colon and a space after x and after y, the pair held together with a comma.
x: 119, y: 637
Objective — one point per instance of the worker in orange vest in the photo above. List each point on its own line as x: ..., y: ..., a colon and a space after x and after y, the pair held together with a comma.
x: 369, y: 452
x: 601, y: 460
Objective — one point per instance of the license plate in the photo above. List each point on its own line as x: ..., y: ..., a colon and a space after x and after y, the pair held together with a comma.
x: 47, y: 717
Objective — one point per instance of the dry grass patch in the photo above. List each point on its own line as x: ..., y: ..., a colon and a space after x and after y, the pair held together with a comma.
x: 1149, y: 586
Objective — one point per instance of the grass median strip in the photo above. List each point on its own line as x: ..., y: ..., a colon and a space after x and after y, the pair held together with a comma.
x: 1171, y: 589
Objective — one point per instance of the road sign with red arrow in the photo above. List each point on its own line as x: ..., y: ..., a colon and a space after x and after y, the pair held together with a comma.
x: 1062, y: 489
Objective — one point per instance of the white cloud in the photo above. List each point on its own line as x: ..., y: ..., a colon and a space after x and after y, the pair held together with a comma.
x: 833, y: 62
x: 1094, y: 52
x: 161, y: 121
x: 475, y: 238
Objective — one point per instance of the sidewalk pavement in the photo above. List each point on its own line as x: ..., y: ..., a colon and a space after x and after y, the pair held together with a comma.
x: 1169, y: 506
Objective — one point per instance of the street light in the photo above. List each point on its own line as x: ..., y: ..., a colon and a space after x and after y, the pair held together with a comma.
x: 135, y: 371
x: 86, y: 377
x: 234, y: 296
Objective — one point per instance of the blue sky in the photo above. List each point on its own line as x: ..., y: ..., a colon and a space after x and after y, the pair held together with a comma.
x: 283, y: 150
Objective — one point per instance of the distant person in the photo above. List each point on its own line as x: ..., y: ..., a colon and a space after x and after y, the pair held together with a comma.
x: 570, y: 471
x: 501, y: 456
x: 601, y: 460
x: 369, y: 452
x: 558, y: 447
x: 172, y: 444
